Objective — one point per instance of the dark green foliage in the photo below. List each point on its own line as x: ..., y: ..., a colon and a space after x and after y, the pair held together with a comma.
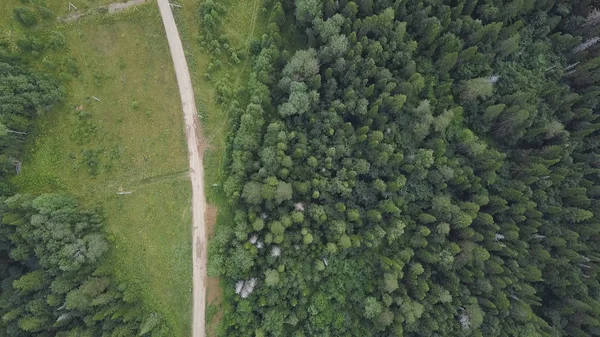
x: 23, y: 95
x: 52, y: 285
x: 418, y: 169
x: 25, y: 16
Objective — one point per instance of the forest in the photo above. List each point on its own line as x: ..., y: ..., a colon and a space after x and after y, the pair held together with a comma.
x: 53, y: 281
x: 413, y: 168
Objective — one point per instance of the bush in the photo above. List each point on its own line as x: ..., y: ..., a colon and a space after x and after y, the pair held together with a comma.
x: 25, y: 16
x: 46, y: 13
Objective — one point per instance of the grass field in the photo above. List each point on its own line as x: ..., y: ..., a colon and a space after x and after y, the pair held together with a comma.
x: 132, y: 140
x: 242, y: 25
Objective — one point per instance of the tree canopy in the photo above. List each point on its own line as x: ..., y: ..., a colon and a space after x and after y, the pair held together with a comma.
x: 423, y: 168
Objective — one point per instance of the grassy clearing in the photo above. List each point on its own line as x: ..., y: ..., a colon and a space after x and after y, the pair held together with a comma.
x: 131, y: 140
x: 242, y: 25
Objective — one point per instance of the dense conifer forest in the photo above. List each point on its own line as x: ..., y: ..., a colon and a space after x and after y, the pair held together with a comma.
x: 415, y: 168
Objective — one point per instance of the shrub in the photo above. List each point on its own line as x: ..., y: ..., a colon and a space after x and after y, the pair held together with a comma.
x: 25, y: 16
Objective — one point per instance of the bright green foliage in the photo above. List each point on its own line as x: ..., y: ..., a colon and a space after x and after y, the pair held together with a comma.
x: 308, y: 239
x: 477, y: 88
x: 372, y: 307
x: 252, y: 193
x: 258, y: 224
x: 30, y: 282
x: 271, y: 277
x: 391, y: 282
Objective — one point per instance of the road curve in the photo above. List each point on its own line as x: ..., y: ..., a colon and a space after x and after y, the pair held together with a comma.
x: 193, y: 134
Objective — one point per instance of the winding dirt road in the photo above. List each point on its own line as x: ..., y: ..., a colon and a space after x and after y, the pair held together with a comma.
x: 193, y: 134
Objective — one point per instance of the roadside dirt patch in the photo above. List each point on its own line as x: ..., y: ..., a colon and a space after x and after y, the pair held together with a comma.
x: 201, y: 141
x: 213, y: 289
x: 215, y: 297
x: 210, y: 218
x: 117, y: 7
x: 72, y: 17
x: 110, y: 8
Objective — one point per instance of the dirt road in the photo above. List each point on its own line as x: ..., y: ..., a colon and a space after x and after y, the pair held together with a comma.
x: 195, y: 144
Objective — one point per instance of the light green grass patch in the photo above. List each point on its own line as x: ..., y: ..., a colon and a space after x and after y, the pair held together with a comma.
x: 243, y: 22
x: 132, y: 140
